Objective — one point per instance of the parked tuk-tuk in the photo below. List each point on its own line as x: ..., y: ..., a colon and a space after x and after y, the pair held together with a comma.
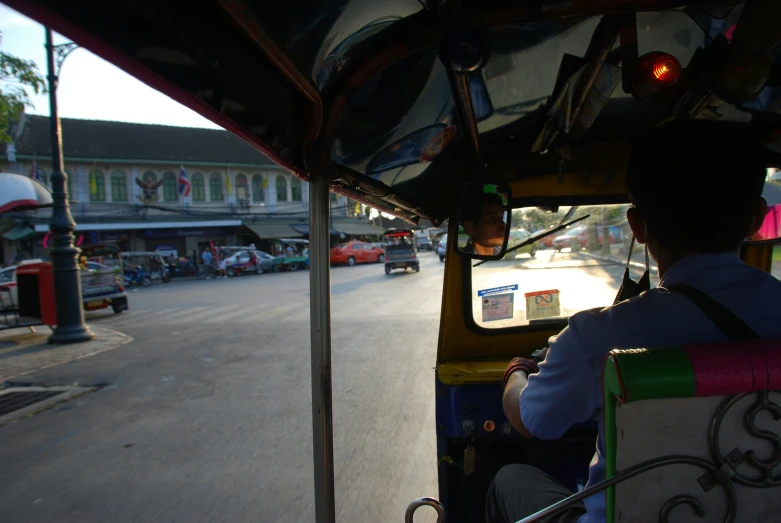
x: 401, y: 251
x: 146, y: 267
x: 102, y: 279
x: 295, y: 255
x: 533, y: 106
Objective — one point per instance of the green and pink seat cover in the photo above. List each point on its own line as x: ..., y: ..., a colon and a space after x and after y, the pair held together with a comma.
x: 677, y: 385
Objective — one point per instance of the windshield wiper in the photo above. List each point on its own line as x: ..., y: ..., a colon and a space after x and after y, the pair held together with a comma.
x: 534, y: 238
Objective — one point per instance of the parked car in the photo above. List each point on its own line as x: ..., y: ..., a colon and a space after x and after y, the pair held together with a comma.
x: 8, y: 293
x: 243, y: 262
x: 442, y: 247
x: 577, y: 238
x: 357, y: 252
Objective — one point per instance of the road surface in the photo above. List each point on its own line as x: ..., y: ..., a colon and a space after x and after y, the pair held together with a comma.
x: 205, y: 416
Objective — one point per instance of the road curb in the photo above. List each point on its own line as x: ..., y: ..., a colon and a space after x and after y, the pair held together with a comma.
x: 33, y: 353
x: 67, y: 393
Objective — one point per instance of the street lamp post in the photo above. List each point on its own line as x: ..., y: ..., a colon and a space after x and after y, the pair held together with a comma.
x: 67, y: 282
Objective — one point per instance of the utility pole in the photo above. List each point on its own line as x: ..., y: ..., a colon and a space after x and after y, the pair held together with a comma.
x: 65, y: 270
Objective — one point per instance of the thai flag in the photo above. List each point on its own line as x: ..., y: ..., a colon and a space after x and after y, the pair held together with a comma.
x: 184, y: 182
x: 35, y: 173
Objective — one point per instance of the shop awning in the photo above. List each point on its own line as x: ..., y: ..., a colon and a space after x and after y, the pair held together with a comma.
x: 303, y: 229
x: 358, y: 228
x: 272, y: 230
x: 18, y: 233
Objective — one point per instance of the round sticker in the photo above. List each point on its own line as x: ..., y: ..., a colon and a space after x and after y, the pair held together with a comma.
x: 437, y: 144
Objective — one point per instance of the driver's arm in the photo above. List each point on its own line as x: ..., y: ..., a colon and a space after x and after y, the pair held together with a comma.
x: 562, y: 393
x: 511, y: 401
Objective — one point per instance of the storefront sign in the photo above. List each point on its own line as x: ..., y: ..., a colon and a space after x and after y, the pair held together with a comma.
x: 151, y: 234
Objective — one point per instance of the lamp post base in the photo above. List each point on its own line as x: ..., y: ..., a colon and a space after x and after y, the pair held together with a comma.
x: 71, y: 334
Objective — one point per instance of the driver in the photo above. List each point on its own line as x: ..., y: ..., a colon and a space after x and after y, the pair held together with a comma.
x: 695, y: 192
x: 482, y: 217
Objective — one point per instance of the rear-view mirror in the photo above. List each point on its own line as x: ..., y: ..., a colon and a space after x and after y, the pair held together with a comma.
x: 484, y: 220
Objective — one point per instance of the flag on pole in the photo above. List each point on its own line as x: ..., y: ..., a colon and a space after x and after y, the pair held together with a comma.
x: 228, y: 182
x: 184, y: 182
x: 93, y: 182
x: 35, y: 173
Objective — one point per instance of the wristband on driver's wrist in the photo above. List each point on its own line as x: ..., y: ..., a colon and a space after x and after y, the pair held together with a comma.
x: 519, y: 364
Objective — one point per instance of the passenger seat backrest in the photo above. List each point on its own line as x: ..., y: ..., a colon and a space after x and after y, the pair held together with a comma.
x: 705, y: 420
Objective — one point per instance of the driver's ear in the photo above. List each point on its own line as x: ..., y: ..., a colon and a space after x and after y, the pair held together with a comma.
x: 637, y: 224
x: 469, y: 227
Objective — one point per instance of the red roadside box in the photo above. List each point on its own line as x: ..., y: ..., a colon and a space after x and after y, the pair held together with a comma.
x: 35, y: 287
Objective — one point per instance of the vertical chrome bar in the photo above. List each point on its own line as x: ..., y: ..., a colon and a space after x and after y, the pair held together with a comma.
x: 320, y: 324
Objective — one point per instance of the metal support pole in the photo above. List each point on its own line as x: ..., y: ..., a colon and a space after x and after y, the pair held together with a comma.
x: 320, y: 322
x: 67, y: 281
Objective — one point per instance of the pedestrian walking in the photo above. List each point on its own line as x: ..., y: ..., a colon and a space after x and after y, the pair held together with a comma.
x: 207, y: 263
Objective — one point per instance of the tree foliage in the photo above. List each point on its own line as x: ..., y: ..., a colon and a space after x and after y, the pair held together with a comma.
x: 16, y: 76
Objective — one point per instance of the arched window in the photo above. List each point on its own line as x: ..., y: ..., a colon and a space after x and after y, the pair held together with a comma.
x: 42, y: 175
x: 281, y: 189
x: 295, y: 190
x: 215, y: 188
x: 97, y: 186
x: 118, y: 187
x: 169, y: 187
x: 257, y: 188
x: 242, y: 187
x: 199, y: 188
x: 149, y: 177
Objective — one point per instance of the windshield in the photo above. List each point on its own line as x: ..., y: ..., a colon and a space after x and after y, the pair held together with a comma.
x: 549, y: 280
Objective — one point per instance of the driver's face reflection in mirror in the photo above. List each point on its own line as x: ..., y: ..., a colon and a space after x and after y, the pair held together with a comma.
x: 484, y: 220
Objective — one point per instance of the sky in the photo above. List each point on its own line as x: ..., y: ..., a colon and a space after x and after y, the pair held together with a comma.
x: 90, y: 87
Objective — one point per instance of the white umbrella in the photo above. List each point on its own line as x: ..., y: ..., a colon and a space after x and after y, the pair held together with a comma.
x: 21, y: 193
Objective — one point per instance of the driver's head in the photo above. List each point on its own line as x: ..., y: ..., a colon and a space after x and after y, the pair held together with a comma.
x: 696, y: 186
x: 482, y: 217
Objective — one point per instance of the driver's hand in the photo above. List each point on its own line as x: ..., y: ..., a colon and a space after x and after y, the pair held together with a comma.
x: 523, y: 364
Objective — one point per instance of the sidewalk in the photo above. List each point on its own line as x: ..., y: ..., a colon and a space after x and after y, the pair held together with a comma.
x: 23, y: 352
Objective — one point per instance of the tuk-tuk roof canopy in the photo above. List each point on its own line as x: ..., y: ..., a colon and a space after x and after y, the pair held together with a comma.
x: 358, y: 90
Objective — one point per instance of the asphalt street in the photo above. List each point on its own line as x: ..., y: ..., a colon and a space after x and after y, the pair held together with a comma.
x: 205, y: 416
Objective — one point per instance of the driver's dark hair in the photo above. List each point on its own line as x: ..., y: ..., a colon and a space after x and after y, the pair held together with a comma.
x: 697, y: 184
x: 472, y: 201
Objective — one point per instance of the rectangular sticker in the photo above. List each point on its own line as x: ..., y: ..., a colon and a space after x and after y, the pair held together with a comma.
x: 542, y: 304
x: 498, y: 290
x: 498, y: 307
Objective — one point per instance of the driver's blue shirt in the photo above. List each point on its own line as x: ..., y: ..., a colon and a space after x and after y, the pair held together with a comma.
x: 568, y: 388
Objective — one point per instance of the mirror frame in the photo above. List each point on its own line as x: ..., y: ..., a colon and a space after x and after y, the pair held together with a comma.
x: 499, y: 186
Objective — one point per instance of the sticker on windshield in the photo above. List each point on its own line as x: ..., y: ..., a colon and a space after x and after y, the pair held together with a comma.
x: 497, y: 290
x: 498, y: 307
x: 437, y: 144
x: 542, y: 304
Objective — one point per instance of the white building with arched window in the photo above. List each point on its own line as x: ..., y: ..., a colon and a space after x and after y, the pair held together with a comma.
x: 126, y: 186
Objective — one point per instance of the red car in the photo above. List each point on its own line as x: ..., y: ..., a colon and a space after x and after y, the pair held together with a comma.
x: 357, y: 252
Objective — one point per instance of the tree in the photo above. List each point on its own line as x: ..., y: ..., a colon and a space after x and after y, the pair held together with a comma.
x: 16, y: 74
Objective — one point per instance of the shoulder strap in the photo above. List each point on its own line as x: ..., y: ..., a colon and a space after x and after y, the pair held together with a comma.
x: 727, y: 321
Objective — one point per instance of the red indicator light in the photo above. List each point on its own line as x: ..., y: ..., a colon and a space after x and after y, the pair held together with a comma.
x: 489, y: 426
x: 656, y: 76
x: 665, y: 70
